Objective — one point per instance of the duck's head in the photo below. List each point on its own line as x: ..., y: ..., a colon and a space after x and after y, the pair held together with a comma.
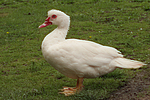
x: 56, y: 17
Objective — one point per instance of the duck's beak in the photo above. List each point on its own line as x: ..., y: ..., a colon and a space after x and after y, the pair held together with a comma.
x: 46, y: 23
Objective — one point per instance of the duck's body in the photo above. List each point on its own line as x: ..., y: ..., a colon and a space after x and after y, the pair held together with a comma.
x: 79, y: 59
x: 74, y: 59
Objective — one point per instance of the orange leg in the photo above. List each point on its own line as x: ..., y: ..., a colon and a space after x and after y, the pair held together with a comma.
x: 79, y: 85
x: 67, y: 91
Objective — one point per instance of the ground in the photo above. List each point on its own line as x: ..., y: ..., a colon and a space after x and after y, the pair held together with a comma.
x: 138, y: 88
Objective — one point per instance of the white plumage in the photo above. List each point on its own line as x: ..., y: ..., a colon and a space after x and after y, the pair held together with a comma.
x: 79, y: 59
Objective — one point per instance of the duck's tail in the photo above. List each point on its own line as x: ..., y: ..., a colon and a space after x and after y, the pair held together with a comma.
x: 126, y: 63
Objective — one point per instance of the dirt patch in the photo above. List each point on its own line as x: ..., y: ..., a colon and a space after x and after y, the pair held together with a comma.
x: 3, y: 14
x: 138, y: 88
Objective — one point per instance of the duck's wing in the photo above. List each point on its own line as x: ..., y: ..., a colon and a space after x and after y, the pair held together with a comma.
x: 87, y: 52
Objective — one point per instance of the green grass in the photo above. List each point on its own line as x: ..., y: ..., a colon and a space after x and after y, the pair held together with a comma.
x: 25, y: 75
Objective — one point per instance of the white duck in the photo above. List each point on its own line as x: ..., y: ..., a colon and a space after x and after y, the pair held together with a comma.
x: 79, y: 59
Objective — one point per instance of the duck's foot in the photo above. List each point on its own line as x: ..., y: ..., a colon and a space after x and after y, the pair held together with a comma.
x: 67, y: 91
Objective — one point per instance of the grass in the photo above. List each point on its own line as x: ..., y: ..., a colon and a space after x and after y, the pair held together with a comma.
x: 25, y: 75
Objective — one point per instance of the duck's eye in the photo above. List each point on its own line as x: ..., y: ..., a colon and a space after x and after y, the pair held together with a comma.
x: 54, y: 16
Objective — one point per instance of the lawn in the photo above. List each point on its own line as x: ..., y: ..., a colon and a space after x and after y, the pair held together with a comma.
x: 25, y: 75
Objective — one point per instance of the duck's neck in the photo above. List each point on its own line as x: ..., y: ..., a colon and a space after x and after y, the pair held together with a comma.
x: 56, y: 36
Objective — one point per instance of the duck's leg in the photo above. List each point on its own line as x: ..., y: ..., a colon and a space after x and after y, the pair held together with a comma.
x: 67, y: 91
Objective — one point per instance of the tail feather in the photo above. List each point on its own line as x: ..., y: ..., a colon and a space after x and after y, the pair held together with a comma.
x: 126, y: 63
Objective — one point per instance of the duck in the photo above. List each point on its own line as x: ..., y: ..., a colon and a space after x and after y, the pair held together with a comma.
x: 79, y: 59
